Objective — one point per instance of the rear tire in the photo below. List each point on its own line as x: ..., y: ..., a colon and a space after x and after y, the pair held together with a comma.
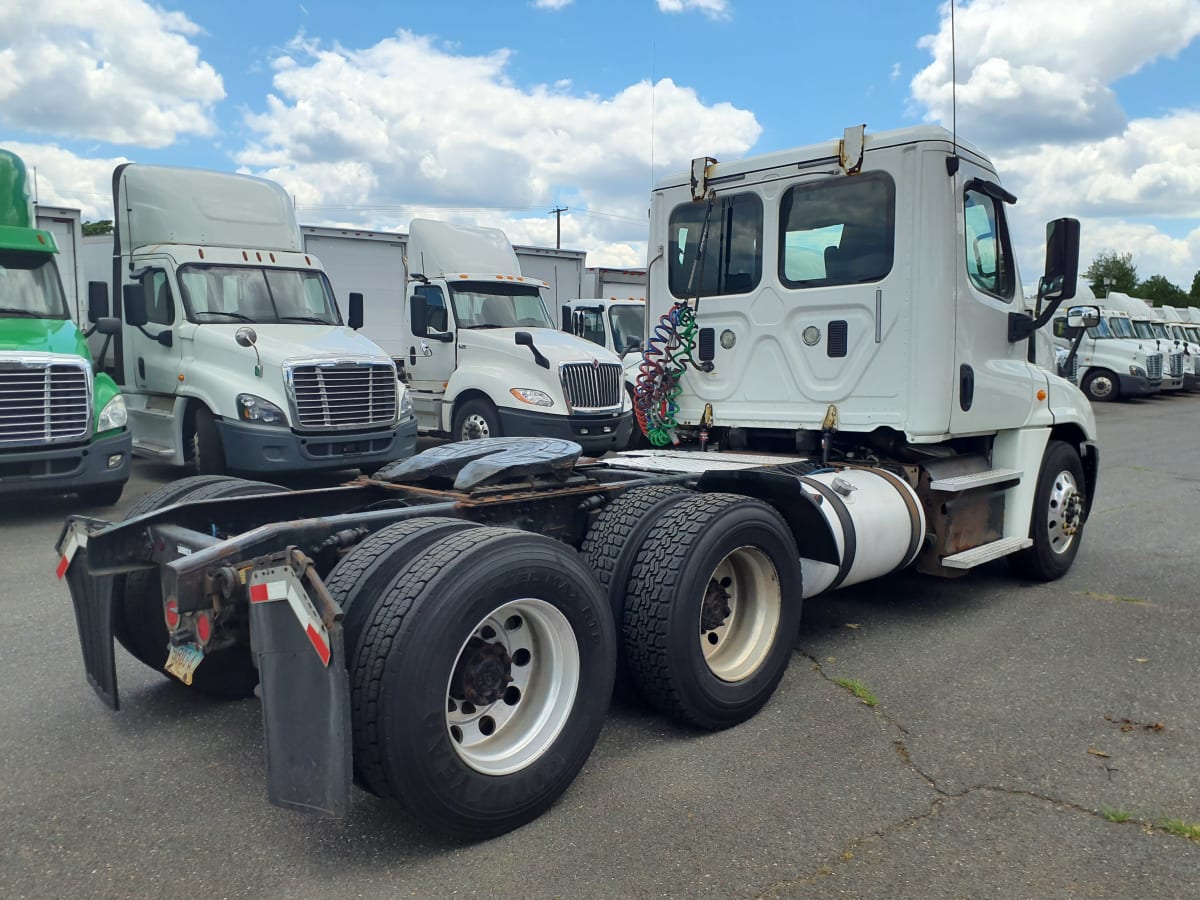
x: 483, y: 682
x: 1056, y: 523
x: 611, y: 547
x: 713, y: 609
x: 139, y: 620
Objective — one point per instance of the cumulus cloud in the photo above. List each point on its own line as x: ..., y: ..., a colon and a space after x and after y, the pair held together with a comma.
x: 1038, y: 90
x: 383, y: 133
x: 1030, y: 71
x: 552, y: 4
x: 115, y: 70
x: 714, y: 9
x: 66, y: 179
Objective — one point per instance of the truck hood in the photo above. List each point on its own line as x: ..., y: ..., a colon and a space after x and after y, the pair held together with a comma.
x: 44, y: 336
x: 556, y: 346
x: 279, y: 343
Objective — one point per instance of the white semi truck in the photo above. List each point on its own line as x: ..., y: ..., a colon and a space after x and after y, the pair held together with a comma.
x: 233, y: 354
x: 1149, y: 326
x: 1112, y: 362
x: 1177, y: 324
x: 843, y: 321
x: 482, y: 357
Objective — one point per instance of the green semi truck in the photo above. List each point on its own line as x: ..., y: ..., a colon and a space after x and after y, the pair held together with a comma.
x: 62, y: 424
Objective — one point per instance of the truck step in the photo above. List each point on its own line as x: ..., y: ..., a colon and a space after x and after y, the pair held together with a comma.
x: 977, y: 556
x: 960, y: 483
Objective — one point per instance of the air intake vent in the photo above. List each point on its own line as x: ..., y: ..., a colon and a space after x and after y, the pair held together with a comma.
x: 837, y: 339
x: 708, y: 344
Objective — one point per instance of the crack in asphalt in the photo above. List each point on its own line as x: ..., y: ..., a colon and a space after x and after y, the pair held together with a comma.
x: 847, y: 852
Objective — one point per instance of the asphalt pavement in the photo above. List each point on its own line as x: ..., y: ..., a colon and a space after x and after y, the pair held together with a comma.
x: 1027, y: 741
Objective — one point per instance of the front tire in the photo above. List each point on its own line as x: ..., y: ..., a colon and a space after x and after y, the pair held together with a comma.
x: 475, y: 419
x: 713, y: 609
x: 1058, y: 516
x: 208, y: 455
x: 482, y: 685
x: 1101, y: 386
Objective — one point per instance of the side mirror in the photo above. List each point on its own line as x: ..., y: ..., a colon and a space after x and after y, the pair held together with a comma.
x: 135, y: 305
x: 107, y: 324
x: 1062, y: 260
x: 356, y: 310
x: 97, y: 303
x: 417, y: 316
x: 523, y: 339
x: 1083, y: 316
x: 246, y: 336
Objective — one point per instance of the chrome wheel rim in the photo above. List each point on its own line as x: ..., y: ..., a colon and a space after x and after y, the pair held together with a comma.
x: 1101, y: 387
x: 512, y: 687
x: 740, y: 614
x: 475, y: 427
x: 1065, y: 512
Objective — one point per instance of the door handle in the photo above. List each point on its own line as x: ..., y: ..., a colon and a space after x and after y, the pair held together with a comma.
x: 426, y: 350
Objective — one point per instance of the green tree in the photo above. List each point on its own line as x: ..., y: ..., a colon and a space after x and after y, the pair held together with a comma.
x: 1112, y: 271
x: 103, y: 226
x: 1159, y: 291
x: 1194, y: 293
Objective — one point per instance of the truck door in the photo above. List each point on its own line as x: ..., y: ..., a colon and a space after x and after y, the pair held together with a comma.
x: 150, y: 366
x: 431, y: 353
x: 995, y: 384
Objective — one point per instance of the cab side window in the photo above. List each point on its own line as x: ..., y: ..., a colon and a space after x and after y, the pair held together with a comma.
x: 988, y: 250
x: 160, y: 302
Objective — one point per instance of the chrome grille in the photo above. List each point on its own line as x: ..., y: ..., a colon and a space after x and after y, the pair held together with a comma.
x: 1176, y: 365
x: 44, y: 401
x: 342, y: 395
x: 1154, y: 366
x: 592, y: 387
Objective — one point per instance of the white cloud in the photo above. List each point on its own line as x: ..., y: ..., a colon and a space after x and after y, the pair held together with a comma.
x: 714, y: 9
x: 65, y: 179
x: 552, y: 4
x: 1030, y: 71
x: 115, y: 70
x: 1038, y: 90
x: 404, y: 127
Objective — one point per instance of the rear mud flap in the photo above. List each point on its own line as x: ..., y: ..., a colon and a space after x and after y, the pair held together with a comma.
x: 306, y: 711
x: 92, y: 597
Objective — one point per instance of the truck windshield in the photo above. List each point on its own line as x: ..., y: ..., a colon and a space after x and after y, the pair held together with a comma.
x: 29, y: 286
x: 481, y: 305
x: 1143, y: 330
x: 252, y: 294
x: 628, y: 322
x: 1099, y: 330
x: 1160, y: 330
x: 1120, y: 327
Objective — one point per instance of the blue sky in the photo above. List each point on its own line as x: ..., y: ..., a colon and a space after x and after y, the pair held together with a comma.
x: 372, y: 113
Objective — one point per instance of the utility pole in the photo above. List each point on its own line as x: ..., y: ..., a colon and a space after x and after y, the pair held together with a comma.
x: 557, y: 213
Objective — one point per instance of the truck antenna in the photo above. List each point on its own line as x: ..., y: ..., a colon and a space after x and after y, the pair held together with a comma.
x: 952, y: 161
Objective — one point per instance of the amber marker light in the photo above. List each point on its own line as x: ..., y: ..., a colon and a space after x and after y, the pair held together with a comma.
x: 1041, y: 395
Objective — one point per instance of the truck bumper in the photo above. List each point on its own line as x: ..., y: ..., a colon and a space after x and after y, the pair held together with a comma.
x: 1190, y: 382
x: 1138, y: 386
x: 595, y: 434
x: 100, y: 462
x: 264, y: 448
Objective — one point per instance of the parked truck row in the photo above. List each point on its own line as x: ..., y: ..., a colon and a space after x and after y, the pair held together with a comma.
x: 838, y: 396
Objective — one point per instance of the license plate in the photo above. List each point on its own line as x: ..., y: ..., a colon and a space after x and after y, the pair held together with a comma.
x: 182, y: 660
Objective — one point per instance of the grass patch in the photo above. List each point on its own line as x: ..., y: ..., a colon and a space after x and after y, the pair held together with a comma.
x: 1115, y: 815
x: 1189, y: 830
x: 859, y: 690
x: 1114, y: 598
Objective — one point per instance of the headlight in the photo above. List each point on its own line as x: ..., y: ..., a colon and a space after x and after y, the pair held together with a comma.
x: 528, y: 395
x: 260, y: 411
x: 113, y: 415
x: 406, y: 407
x: 1138, y: 371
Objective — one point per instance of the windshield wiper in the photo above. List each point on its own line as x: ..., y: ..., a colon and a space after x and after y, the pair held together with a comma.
x: 17, y: 311
x: 485, y: 325
x: 315, y: 319
x: 221, y: 312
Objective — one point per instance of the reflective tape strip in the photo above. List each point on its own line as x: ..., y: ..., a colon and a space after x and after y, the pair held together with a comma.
x: 290, y: 589
x: 75, y: 541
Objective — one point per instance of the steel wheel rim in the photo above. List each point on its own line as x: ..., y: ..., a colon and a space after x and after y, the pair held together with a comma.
x: 1102, y: 387
x: 475, y: 427
x: 740, y: 614
x: 514, y: 729
x: 1063, y: 512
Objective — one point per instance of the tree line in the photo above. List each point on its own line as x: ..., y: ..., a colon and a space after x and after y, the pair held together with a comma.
x: 1113, y: 271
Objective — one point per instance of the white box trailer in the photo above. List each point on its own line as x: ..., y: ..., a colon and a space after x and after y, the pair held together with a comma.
x: 602, y: 283
x: 67, y: 227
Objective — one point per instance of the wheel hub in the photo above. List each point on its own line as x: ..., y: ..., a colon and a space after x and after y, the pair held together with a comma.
x: 714, y: 609
x: 483, y: 673
x: 1072, y: 514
